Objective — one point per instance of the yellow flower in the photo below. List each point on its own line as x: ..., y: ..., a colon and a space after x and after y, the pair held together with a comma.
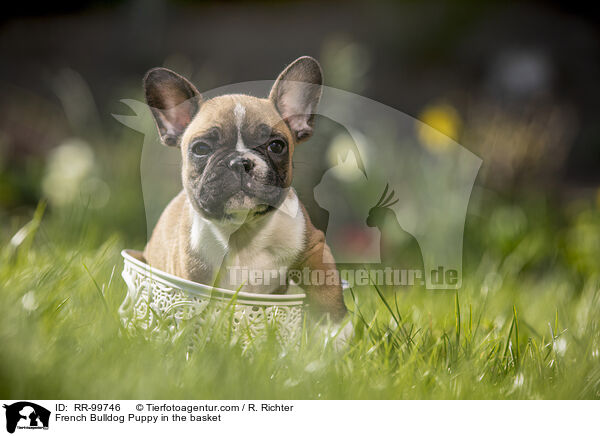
x: 438, y: 127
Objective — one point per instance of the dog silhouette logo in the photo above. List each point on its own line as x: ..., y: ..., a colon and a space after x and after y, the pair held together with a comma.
x: 26, y: 415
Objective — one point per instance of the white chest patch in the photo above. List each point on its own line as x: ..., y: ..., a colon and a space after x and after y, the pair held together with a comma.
x: 207, y: 242
x: 258, y: 258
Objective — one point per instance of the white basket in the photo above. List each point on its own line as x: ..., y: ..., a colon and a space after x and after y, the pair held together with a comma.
x: 159, y: 302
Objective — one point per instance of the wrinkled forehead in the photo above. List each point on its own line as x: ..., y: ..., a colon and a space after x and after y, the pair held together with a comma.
x: 237, y: 113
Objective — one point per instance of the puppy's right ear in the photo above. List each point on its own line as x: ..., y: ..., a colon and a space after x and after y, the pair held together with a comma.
x: 174, y: 102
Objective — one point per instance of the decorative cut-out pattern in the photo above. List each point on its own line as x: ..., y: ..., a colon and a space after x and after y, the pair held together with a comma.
x: 153, y: 305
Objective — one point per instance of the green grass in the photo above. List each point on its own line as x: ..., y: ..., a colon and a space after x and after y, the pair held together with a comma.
x: 524, y: 325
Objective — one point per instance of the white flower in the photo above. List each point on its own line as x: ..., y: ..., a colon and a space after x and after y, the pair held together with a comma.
x: 519, y: 380
x: 314, y: 366
x: 560, y: 346
x: 28, y: 302
x: 69, y: 175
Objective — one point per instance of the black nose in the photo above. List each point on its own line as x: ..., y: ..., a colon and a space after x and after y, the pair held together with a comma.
x: 240, y: 164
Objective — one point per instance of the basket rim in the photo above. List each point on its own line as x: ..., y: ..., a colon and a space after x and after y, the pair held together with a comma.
x: 195, y: 288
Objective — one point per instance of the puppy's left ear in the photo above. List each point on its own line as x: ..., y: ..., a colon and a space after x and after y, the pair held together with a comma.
x: 296, y: 94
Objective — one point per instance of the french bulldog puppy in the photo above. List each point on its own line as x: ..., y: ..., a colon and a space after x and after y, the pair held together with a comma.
x: 237, y: 210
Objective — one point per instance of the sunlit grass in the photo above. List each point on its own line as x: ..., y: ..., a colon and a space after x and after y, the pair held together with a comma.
x: 524, y: 325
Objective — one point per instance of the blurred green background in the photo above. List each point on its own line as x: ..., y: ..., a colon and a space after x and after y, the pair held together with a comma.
x: 515, y: 83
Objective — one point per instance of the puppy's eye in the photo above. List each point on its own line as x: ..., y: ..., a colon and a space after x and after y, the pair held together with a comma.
x: 276, y: 146
x: 200, y: 148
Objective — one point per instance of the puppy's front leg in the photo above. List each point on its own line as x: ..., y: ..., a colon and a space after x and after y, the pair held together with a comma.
x: 324, y: 298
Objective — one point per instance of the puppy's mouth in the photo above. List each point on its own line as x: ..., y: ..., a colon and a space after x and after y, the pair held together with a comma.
x: 247, y: 215
x: 243, y: 206
x: 239, y: 208
x: 262, y: 209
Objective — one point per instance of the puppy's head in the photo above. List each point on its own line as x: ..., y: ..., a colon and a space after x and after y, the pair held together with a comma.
x: 236, y: 149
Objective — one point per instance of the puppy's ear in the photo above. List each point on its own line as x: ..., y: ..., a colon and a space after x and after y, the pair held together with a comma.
x: 296, y: 94
x: 173, y: 101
